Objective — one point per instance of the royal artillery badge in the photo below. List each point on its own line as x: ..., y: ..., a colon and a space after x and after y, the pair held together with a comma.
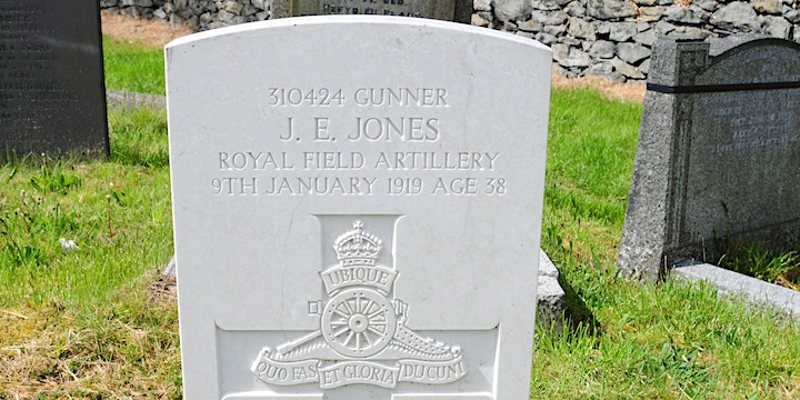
x: 363, y: 337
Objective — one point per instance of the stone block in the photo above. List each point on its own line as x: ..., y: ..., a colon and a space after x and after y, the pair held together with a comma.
x: 738, y: 15
x: 512, y: 10
x: 622, y: 31
x: 581, y: 29
x: 610, y: 9
x: 767, y: 6
x: 602, y: 49
x: 631, y: 52
x: 776, y: 27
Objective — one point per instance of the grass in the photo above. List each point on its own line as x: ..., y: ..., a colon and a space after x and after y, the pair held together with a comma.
x: 94, y: 322
x: 753, y: 259
x: 98, y: 323
x: 132, y: 67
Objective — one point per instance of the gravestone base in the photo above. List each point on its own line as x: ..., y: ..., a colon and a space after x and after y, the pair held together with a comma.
x: 551, y: 304
x: 735, y: 285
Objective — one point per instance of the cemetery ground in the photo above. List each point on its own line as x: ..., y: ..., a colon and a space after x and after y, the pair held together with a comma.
x: 99, y: 321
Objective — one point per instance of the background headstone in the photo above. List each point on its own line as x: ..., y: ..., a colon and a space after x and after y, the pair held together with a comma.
x: 719, y: 152
x: 446, y: 10
x: 353, y: 223
x: 52, y: 97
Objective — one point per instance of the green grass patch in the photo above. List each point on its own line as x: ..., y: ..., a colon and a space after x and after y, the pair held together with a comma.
x: 93, y: 322
x: 133, y: 67
x: 117, y: 212
x: 668, y: 341
x: 768, y: 264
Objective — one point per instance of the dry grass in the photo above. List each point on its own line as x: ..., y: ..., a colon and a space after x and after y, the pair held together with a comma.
x: 633, y: 92
x: 48, y: 355
x: 148, y: 32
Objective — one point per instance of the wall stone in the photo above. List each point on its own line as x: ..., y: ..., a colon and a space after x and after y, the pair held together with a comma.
x: 612, y: 38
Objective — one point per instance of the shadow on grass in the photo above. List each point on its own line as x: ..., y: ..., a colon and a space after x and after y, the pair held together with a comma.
x: 577, y: 313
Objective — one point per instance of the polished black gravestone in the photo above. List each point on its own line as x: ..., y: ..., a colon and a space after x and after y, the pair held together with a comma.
x: 52, y: 95
x: 719, y: 153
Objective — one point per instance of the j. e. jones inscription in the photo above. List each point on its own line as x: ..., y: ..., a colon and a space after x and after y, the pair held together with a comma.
x: 363, y: 173
x: 331, y: 202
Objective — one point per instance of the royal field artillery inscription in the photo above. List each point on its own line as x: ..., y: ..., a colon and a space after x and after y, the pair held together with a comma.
x: 357, y: 209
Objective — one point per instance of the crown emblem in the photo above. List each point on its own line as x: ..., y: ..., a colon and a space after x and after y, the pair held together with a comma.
x: 357, y: 247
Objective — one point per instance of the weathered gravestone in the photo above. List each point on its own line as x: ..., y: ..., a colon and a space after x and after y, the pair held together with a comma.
x: 52, y: 96
x: 447, y: 10
x: 719, y: 152
x: 357, y: 208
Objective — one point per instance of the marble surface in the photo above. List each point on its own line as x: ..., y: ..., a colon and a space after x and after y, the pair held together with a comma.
x: 357, y: 208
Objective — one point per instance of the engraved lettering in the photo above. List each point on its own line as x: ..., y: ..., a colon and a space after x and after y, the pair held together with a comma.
x: 454, y: 161
x: 290, y: 133
x: 234, y: 186
x: 327, y: 160
x: 456, y: 186
x: 321, y: 132
x: 240, y: 161
x: 401, y: 97
x: 320, y: 186
x: 405, y: 129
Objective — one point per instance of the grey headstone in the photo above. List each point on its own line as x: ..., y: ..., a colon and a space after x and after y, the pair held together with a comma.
x: 446, y: 10
x: 719, y: 152
x: 51, y: 78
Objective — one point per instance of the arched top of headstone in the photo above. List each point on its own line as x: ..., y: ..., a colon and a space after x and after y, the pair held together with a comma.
x: 377, y: 24
x: 754, y: 60
x: 734, y: 63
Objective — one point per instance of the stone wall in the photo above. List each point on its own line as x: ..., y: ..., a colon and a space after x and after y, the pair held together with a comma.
x: 611, y: 38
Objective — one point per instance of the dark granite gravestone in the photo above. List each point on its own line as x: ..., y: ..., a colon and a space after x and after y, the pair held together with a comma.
x: 446, y: 10
x: 718, y: 155
x: 52, y: 97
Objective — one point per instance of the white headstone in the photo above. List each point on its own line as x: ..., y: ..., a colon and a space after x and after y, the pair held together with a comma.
x: 357, y: 206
